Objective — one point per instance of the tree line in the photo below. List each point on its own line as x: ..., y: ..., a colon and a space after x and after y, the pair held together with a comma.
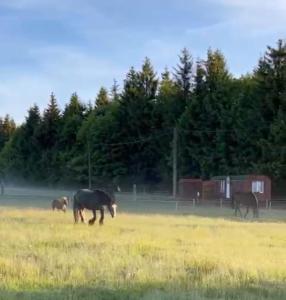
x: 226, y: 125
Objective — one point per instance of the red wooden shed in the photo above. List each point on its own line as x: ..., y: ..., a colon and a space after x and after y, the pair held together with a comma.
x: 223, y: 187
x: 259, y: 184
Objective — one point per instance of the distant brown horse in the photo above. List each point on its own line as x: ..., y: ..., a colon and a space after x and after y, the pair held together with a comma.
x: 247, y: 199
x: 60, y: 203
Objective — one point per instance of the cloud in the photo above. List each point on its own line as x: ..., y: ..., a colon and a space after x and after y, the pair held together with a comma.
x: 65, y: 5
x: 63, y: 71
x: 71, y: 45
x: 256, y: 4
x: 255, y: 17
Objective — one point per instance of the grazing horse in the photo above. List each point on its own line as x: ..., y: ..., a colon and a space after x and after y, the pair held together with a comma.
x: 246, y: 199
x: 60, y: 203
x: 93, y: 200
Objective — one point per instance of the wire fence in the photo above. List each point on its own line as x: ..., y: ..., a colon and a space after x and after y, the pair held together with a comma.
x: 139, y: 201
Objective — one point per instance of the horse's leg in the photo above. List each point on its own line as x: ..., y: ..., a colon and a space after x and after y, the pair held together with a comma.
x: 255, y: 212
x: 247, y: 210
x: 76, y: 213
x: 235, y: 209
x: 92, y: 220
x: 81, y: 213
x: 101, y: 216
x: 240, y: 211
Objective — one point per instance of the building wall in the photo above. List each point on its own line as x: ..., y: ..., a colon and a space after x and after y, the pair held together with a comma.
x: 262, y: 197
x: 189, y: 188
x: 211, y: 189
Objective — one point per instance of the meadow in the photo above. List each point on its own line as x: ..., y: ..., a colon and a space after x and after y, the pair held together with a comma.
x: 194, y: 253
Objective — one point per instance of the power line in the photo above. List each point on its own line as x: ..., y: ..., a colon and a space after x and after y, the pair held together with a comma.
x: 214, y: 130
x: 137, y: 141
x: 168, y: 131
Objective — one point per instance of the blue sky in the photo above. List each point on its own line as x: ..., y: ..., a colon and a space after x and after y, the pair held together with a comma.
x: 63, y: 46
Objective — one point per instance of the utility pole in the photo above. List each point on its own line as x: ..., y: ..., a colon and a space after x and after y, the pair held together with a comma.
x: 89, y: 165
x: 175, y: 145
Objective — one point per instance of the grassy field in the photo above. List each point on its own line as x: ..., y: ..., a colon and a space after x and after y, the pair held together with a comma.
x: 196, y: 254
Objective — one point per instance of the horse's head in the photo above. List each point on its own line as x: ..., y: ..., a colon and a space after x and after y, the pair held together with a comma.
x: 65, y: 201
x: 112, y: 208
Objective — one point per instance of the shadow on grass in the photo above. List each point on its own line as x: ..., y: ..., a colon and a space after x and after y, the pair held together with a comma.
x: 150, y: 292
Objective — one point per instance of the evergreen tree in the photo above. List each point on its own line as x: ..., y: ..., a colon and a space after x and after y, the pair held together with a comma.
x: 99, y: 136
x: 271, y: 78
x: 271, y: 90
x: 136, y: 121
x: 72, y: 120
x: 50, y: 126
x: 247, y: 126
x: 7, y: 128
x: 184, y: 75
x: 115, y: 95
x: 49, y: 137
x: 204, y: 125
x: 20, y: 156
x: 102, y: 98
x: 165, y: 120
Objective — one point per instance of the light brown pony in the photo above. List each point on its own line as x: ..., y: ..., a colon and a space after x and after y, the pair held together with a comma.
x: 60, y: 203
x: 247, y: 199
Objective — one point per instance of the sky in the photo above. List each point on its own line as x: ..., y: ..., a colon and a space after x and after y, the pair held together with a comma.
x: 66, y: 46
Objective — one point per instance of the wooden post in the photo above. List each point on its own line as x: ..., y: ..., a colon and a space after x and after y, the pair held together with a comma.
x: 89, y: 165
x: 175, y: 138
x: 134, y: 192
x: 194, y: 202
x: 220, y: 202
x: 2, y: 187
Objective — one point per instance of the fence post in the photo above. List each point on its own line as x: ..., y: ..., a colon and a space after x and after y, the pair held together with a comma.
x: 220, y: 202
x: 194, y: 202
x: 176, y: 205
x: 2, y: 187
x: 134, y: 192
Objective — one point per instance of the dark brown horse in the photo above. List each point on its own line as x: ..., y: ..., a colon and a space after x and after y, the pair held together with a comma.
x: 93, y: 200
x: 247, y: 199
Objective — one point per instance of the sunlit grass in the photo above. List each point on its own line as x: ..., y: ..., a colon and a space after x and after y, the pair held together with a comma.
x: 43, y: 255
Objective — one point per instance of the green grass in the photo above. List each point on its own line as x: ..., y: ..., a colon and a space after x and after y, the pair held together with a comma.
x: 195, y: 254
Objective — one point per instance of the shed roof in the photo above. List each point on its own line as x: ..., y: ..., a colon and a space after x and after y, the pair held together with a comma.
x: 232, y: 177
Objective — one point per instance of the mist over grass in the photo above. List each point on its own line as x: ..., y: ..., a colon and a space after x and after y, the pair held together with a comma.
x: 208, y: 254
